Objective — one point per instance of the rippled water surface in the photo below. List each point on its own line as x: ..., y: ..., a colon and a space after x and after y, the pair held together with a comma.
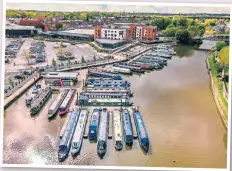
x: 181, y: 117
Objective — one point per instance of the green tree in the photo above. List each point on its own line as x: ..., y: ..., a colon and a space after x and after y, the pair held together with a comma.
x: 193, y: 30
x: 53, y: 62
x: 161, y: 23
x: 69, y: 61
x: 94, y: 58
x: 170, y: 32
x: 11, y: 81
x: 82, y: 59
x: 27, y: 56
x: 183, y: 36
x: 182, y: 22
x: 220, y: 45
x: 223, y: 56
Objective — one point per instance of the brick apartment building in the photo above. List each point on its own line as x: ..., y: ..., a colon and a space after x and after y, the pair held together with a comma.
x: 125, y: 32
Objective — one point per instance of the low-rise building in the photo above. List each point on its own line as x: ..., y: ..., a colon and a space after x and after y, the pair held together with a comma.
x: 125, y: 32
x: 61, y: 78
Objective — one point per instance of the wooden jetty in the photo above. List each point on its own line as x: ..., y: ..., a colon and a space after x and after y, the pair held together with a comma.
x: 87, y: 126
x: 110, y: 126
x: 135, y: 134
x: 64, y: 125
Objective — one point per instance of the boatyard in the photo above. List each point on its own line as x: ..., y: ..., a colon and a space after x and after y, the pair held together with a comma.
x: 88, y: 89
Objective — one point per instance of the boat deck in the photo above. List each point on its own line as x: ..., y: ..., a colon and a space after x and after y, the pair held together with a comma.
x: 87, y: 125
x: 64, y: 125
x: 110, y: 135
x: 135, y: 134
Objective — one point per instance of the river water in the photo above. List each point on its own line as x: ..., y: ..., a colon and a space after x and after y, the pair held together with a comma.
x: 184, y: 126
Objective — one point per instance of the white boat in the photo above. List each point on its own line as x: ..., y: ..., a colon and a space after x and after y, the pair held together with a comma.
x: 117, y: 129
x: 79, y: 132
x: 165, y: 49
x: 32, y: 95
x: 56, y: 104
x: 160, y: 54
x: 113, y: 69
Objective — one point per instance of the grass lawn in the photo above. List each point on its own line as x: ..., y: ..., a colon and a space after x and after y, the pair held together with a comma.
x: 219, y: 85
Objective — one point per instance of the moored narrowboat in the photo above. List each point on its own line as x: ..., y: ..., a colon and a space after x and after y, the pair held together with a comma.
x: 127, y: 127
x: 79, y: 132
x: 64, y: 107
x: 141, y: 130
x: 117, y: 129
x: 65, y: 141
x: 103, y: 133
x: 56, y: 104
x: 94, y: 124
x: 38, y: 104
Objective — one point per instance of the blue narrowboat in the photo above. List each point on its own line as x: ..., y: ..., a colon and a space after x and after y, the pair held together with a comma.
x: 141, y: 130
x: 127, y: 127
x: 94, y: 124
x: 96, y: 73
x: 65, y: 142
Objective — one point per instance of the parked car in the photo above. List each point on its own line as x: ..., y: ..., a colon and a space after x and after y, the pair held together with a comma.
x: 19, y: 76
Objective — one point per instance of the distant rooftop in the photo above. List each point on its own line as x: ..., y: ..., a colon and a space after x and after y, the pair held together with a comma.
x: 80, y: 31
x: 15, y: 26
x: 109, y: 41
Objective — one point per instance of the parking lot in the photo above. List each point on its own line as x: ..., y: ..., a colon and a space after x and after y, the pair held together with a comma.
x: 20, y: 63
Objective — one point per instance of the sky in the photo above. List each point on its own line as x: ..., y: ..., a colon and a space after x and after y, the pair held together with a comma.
x: 115, y: 8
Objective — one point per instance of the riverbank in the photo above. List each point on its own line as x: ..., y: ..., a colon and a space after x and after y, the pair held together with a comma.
x: 216, y: 86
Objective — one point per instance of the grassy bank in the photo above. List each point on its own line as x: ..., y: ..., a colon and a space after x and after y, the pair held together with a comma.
x: 217, y: 88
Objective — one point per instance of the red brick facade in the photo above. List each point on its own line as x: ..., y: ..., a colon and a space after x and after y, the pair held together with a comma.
x: 97, y: 32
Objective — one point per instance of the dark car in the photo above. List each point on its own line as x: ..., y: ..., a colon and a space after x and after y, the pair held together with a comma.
x: 18, y: 76
x: 27, y: 72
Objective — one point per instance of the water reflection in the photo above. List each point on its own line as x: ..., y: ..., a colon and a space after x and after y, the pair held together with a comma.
x: 184, y: 51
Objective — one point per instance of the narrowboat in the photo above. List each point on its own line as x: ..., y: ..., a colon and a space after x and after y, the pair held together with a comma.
x: 156, y: 64
x: 116, y: 70
x: 141, y: 130
x: 107, y: 86
x: 65, y: 141
x: 64, y: 107
x: 108, y: 82
x: 161, y: 54
x: 96, y: 73
x: 56, y: 104
x: 103, y: 95
x: 127, y: 127
x: 32, y: 95
x: 103, y: 133
x: 40, y: 101
x: 112, y: 91
x: 132, y: 68
x: 105, y: 102
x: 94, y: 124
x: 143, y: 66
x: 165, y: 49
x: 79, y: 132
x: 117, y: 129
x: 155, y: 58
x: 151, y: 60
x: 93, y: 79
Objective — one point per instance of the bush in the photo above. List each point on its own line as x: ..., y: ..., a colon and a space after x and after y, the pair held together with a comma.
x: 183, y: 36
x: 220, y: 45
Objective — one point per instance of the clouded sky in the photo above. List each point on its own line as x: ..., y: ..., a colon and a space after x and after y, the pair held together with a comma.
x: 115, y: 8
